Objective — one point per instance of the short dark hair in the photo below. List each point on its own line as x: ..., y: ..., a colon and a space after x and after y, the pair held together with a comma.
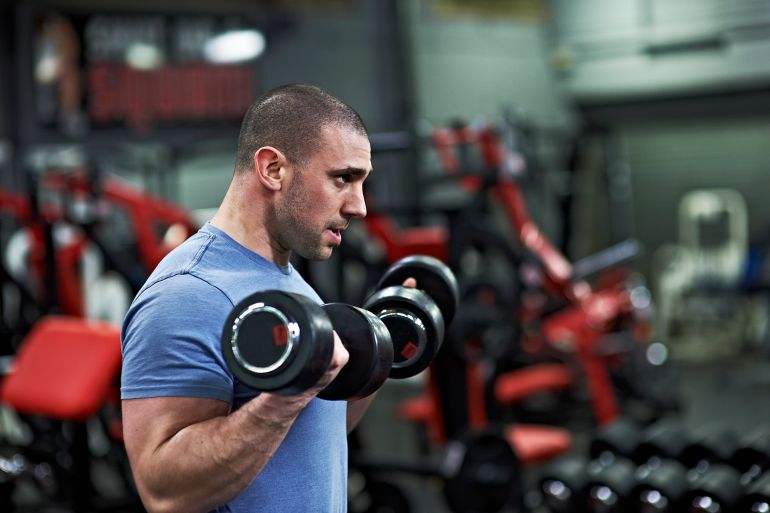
x: 290, y: 118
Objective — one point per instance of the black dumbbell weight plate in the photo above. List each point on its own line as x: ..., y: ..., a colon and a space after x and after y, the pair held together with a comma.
x: 415, y: 326
x: 757, y: 496
x: 660, y: 487
x: 371, y: 352
x: 277, y: 341
x: 481, y: 472
x: 619, y: 438
x: 563, y: 485
x: 609, y: 487
x: 432, y: 276
x: 719, y: 489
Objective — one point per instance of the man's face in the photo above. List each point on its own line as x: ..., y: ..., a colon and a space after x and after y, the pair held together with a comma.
x: 324, y: 195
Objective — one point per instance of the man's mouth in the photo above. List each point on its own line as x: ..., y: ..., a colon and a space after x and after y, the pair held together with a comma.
x: 337, y: 233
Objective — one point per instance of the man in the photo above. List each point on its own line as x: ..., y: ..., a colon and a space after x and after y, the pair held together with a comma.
x: 197, y: 440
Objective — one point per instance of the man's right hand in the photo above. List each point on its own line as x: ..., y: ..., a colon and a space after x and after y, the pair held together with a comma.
x: 340, y: 357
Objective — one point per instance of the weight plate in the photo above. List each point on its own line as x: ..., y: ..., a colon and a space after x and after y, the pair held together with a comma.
x: 718, y: 489
x: 481, y: 473
x: 563, y: 484
x: 368, y: 342
x: 619, y: 438
x: 609, y: 488
x: 415, y: 325
x: 433, y: 277
x: 757, y: 496
x: 277, y: 341
x: 481, y: 332
x: 660, y: 486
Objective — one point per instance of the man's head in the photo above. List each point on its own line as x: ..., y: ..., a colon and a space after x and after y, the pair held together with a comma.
x: 303, y: 157
x: 291, y: 118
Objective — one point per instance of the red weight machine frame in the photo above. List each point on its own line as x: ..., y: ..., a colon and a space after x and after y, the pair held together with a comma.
x: 590, y: 313
x: 147, y: 213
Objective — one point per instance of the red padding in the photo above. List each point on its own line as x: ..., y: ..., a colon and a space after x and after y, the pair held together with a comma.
x: 416, y: 409
x: 400, y: 243
x: 423, y: 409
x: 515, y: 386
x: 65, y: 368
x: 537, y: 444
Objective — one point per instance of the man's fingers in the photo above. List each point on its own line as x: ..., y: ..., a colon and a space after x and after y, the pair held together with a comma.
x: 340, y: 356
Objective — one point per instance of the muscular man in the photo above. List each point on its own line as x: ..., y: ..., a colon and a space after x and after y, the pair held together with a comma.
x: 198, y: 440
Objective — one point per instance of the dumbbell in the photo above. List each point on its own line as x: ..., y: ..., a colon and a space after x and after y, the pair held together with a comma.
x: 661, y: 477
x: 698, y: 479
x: 600, y: 483
x: 611, y: 472
x: 740, y: 485
x: 416, y: 317
x: 757, y: 496
x: 283, y: 342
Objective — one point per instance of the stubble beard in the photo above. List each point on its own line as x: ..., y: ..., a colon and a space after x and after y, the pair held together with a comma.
x: 298, y: 235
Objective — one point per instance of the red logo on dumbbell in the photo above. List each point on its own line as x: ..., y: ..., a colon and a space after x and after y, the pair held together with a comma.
x: 280, y: 335
x: 409, y: 350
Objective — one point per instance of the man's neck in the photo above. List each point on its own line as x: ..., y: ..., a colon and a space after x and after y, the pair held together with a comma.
x: 247, y: 225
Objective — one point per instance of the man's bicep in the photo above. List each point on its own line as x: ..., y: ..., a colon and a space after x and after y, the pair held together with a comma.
x: 149, y: 423
x: 171, y: 343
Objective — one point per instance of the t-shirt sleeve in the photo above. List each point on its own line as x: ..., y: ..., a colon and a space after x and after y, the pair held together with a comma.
x: 171, y: 342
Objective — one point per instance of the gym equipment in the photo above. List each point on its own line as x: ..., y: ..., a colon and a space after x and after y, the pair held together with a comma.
x: 601, y: 483
x: 74, y: 250
x: 371, y: 352
x: 283, y: 342
x: 752, y: 457
x: 588, y: 313
x: 151, y: 217
x: 62, y: 388
x: 415, y: 317
x: 687, y: 472
x: 665, y: 439
x: 659, y: 479
x: 621, y: 438
x: 736, y: 481
x: 757, y: 496
x: 609, y: 487
x: 563, y: 485
x: 577, y: 485
x: 479, y: 471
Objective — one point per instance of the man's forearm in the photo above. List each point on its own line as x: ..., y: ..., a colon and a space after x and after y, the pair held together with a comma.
x: 209, y: 463
x: 356, y: 410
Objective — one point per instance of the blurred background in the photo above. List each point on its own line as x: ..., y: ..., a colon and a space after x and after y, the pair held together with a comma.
x: 595, y: 173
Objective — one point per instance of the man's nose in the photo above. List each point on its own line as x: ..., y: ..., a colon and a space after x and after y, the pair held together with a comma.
x: 355, y: 205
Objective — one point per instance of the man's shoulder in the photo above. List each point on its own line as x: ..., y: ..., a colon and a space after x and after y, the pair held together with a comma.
x: 202, y: 264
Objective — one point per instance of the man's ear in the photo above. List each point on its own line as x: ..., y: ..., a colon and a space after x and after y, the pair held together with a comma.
x: 270, y: 166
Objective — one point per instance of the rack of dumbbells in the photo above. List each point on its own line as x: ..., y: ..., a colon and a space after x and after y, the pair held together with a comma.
x: 664, y: 467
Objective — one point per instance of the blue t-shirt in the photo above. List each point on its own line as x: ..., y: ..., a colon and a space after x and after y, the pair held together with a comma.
x: 171, y: 347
